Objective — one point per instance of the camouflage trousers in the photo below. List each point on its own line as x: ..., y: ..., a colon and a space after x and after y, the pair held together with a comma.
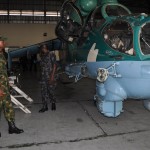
x: 7, y: 108
x: 48, y: 92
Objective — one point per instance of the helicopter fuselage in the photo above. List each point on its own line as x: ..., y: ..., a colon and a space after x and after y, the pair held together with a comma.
x: 114, y: 49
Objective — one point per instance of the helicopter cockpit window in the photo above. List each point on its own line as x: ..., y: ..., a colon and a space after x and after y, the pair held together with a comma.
x: 119, y: 36
x: 145, y: 39
x: 116, y: 10
x: 96, y: 18
x: 69, y: 26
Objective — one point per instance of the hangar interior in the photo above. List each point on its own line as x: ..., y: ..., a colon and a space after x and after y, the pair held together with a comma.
x: 35, y: 20
x: 76, y: 124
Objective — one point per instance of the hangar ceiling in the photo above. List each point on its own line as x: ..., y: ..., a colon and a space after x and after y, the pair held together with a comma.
x: 31, y: 4
x: 46, y: 11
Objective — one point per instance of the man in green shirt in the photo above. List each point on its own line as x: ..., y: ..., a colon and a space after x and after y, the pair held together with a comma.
x: 5, y: 99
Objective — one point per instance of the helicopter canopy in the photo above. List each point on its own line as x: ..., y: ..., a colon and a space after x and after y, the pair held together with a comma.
x: 144, y: 38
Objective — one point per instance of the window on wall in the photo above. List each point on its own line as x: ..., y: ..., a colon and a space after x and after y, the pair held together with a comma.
x: 119, y: 36
x: 15, y: 16
x: 29, y: 11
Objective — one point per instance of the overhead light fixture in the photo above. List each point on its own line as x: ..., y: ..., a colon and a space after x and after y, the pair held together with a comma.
x: 3, y: 12
x: 53, y: 13
x: 38, y: 13
x: 14, y: 13
x: 26, y: 13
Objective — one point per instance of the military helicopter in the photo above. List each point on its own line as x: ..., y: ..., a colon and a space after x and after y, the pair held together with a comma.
x: 106, y: 42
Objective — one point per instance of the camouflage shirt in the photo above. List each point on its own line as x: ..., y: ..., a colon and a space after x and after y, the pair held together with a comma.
x: 3, y: 74
x: 47, y: 62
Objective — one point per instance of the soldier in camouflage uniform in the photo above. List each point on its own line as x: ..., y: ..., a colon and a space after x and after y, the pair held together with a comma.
x: 48, y: 84
x: 5, y: 100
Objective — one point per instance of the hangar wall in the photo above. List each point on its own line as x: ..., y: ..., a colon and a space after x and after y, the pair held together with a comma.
x: 27, y: 34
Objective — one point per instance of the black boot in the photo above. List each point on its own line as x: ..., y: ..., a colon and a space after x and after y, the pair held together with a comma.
x: 44, y: 108
x: 53, y: 106
x: 13, y: 129
x: 0, y: 134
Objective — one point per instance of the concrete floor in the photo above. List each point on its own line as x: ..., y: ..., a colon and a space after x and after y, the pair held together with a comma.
x: 76, y: 124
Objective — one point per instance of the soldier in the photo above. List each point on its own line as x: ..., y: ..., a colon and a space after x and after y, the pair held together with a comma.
x: 48, y: 84
x: 5, y: 99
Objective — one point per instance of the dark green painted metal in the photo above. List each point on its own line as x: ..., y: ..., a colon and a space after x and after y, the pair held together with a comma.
x: 102, y: 2
x: 112, y: 4
x: 86, y: 6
